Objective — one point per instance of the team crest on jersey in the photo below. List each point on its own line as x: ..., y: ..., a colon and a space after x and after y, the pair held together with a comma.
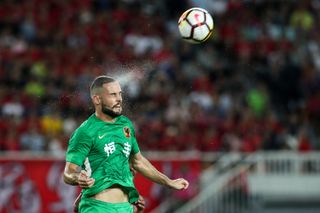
x: 126, y: 132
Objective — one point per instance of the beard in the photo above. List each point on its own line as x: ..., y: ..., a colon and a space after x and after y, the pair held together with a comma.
x: 109, y: 112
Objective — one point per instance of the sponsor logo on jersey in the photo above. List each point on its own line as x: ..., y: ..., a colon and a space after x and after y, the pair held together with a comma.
x: 126, y: 132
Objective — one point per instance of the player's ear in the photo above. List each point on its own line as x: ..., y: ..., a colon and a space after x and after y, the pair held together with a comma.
x: 96, y: 99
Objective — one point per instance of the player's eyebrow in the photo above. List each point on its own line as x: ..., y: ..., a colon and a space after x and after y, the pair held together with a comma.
x: 114, y: 93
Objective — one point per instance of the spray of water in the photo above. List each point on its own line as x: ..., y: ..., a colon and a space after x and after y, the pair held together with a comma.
x: 131, y: 77
x: 128, y: 72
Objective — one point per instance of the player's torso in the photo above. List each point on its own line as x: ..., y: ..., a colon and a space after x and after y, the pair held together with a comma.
x: 110, y: 150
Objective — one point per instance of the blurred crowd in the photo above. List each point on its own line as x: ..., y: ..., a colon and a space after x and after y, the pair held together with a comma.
x: 255, y: 85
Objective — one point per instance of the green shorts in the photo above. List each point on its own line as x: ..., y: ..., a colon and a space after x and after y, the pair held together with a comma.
x: 89, y: 205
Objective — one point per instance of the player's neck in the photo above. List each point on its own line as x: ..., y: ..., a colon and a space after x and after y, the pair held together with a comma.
x: 104, y: 117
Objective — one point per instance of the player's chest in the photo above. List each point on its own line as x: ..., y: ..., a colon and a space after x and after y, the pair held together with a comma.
x: 110, y: 141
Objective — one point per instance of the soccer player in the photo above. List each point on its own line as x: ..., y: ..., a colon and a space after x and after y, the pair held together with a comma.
x: 100, y: 152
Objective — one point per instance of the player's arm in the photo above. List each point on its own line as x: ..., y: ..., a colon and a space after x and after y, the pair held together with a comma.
x: 73, y: 175
x: 144, y: 167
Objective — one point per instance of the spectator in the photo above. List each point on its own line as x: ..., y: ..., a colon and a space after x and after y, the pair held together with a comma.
x: 258, y: 59
x: 32, y: 140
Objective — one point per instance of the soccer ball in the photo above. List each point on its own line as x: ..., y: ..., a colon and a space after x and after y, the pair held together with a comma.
x: 195, y: 25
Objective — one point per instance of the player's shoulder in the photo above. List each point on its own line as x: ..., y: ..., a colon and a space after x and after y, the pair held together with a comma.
x: 125, y: 119
x: 87, y: 125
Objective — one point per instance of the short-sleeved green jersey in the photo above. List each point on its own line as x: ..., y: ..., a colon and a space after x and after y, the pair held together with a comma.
x: 103, y: 149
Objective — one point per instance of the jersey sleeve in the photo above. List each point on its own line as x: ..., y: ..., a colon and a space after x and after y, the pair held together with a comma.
x: 135, y: 146
x: 79, y: 147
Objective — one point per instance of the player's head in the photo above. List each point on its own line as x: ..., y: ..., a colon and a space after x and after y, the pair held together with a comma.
x: 106, y: 95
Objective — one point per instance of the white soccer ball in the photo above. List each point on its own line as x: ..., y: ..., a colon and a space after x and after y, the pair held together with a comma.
x: 195, y: 25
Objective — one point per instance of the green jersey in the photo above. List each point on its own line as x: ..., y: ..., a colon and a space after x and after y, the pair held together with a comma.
x: 103, y: 149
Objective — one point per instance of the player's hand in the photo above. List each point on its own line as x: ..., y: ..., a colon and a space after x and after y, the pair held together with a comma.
x: 84, y: 181
x: 139, y: 206
x: 133, y: 171
x: 76, y: 204
x: 179, y: 184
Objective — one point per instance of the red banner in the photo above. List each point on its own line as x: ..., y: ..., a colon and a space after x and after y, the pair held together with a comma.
x: 36, y: 185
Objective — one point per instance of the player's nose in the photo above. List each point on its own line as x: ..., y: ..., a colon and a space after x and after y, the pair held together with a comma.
x: 119, y: 98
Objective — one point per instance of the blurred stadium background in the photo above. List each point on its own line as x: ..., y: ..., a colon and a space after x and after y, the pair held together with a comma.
x: 238, y: 116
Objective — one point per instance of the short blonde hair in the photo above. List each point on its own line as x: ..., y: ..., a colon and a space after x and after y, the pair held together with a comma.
x: 98, y: 83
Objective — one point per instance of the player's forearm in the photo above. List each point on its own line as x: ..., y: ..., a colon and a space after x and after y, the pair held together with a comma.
x: 71, y: 174
x: 145, y: 168
x: 71, y: 179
